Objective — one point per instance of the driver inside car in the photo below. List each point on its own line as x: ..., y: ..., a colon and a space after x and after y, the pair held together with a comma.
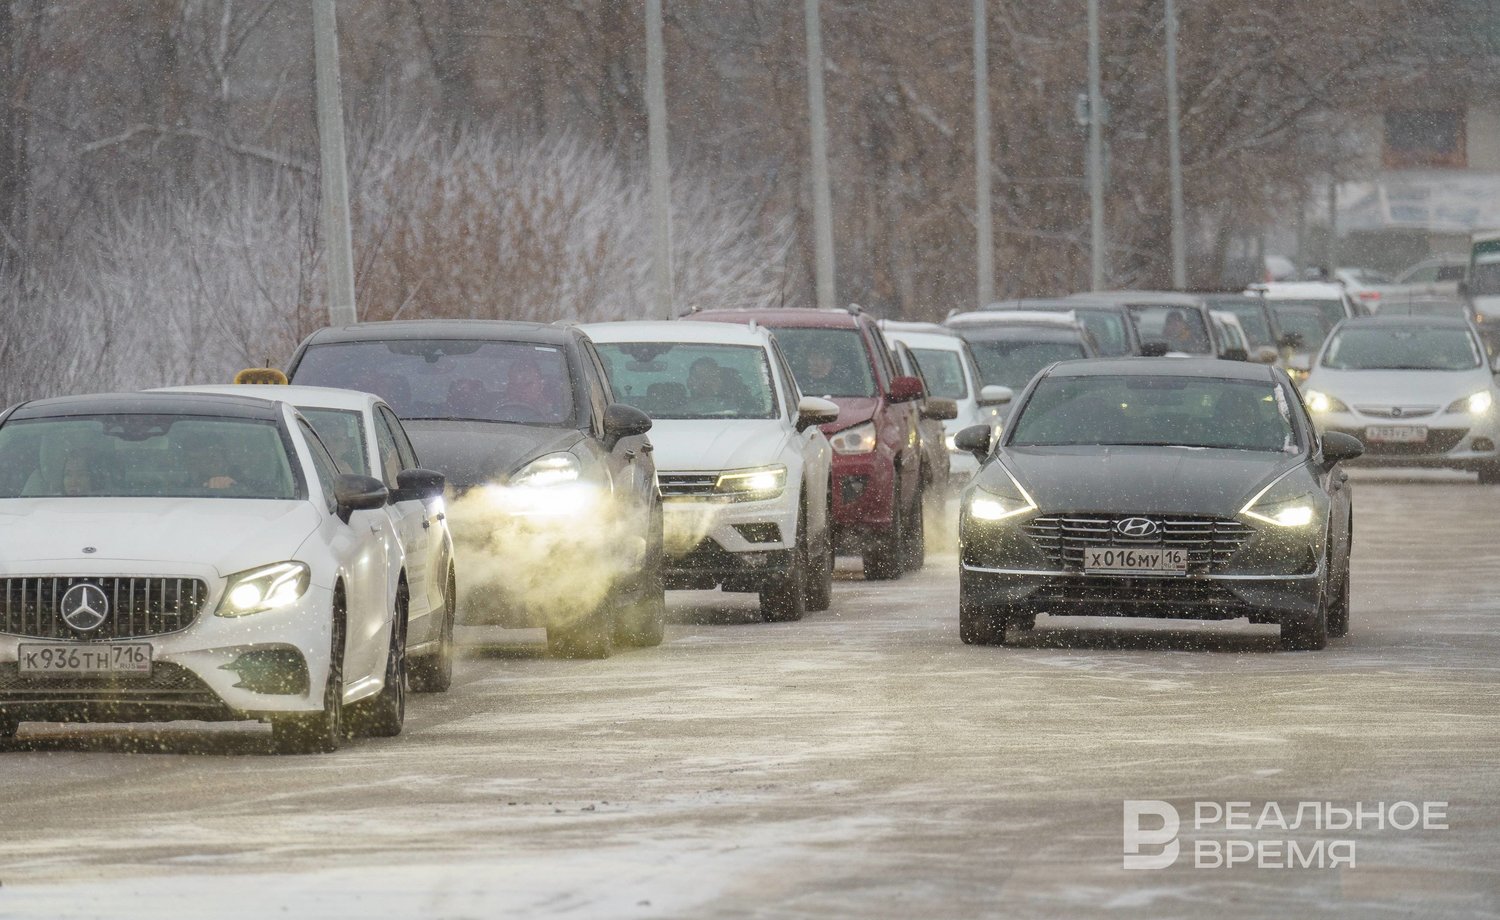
x: 208, y: 465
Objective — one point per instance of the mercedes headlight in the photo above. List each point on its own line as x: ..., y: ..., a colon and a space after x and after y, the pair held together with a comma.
x: 265, y: 588
x: 752, y: 485
x: 992, y: 504
x: 857, y: 440
x: 1475, y: 403
x: 1320, y: 402
x: 551, y: 470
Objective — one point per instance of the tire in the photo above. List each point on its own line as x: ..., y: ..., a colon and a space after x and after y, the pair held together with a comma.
x: 979, y: 624
x: 820, y: 578
x: 384, y: 714
x: 643, y: 624
x: 1338, y: 609
x: 590, y: 638
x: 784, y: 599
x: 434, y: 673
x: 322, y: 732
x: 1308, y: 635
x: 882, y: 557
x: 1489, y: 475
x: 914, y: 538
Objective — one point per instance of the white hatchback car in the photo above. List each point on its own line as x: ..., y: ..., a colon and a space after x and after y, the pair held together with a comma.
x: 188, y: 556
x: 365, y: 437
x: 744, y: 471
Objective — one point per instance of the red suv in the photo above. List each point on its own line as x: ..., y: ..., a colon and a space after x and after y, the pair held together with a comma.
x: 877, y: 454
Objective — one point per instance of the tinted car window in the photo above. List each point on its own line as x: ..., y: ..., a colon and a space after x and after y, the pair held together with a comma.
x: 145, y: 456
x: 342, y: 433
x: 691, y: 379
x: 1011, y: 363
x: 469, y: 380
x: 323, y: 465
x: 1365, y: 348
x: 1332, y: 311
x: 1306, y: 323
x: 1182, y: 329
x: 403, y: 443
x: 1108, y: 330
x: 828, y: 362
x: 390, y: 456
x: 1165, y: 410
x: 943, y: 370
x: 1252, y: 319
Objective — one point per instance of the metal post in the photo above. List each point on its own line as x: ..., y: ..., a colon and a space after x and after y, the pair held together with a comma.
x: 1096, y: 156
x: 334, y: 172
x: 983, y: 221
x: 1174, y: 155
x: 661, y: 174
x: 818, y: 128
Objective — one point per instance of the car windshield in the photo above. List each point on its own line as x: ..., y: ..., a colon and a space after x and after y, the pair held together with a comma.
x: 1331, y: 310
x: 1013, y: 362
x: 1304, y: 323
x: 827, y: 362
x: 691, y: 379
x: 1427, y: 306
x: 1406, y: 348
x: 1156, y: 411
x: 943, y: 370
x: 1179, y: 328
x: 342, y: 432
x: 1484, y: 279
x: 144, y: 456
x: 1108, y: 330
x: 1252, y: 319
x: 463, y: 379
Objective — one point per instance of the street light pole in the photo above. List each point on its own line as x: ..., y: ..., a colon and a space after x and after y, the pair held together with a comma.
x: 661, y: 174
x: 818, y: 128
x: 984, y: 229
x: 337, y: 237
x: 1096, y: 156
x: 1174, y: 154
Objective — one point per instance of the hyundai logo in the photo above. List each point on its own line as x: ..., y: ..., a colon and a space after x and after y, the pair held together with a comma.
x: 1137, y: 528
x: 84, y: 607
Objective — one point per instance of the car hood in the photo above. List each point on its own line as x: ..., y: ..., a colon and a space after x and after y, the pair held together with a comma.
x: 1143, y: 480
x: 853, y: 410
x: 473, y: 453
x: 1398, y: 388
x: 716, y: 444
x: 227, y: 534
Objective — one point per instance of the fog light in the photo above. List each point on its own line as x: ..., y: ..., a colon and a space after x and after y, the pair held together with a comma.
x: 759, y: 533
x: 852, y: 487
x: 272, y: 670
x: 1482, y: 444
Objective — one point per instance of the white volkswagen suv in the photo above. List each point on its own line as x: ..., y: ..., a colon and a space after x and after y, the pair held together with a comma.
x: 743, y: 468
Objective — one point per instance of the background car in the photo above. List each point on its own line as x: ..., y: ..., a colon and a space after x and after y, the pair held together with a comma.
x: 1328, y: 298
x: 949, y: 371
x: 1418, y: 390
x: 1255, y: 321
x: 1010, y: 347
x: 745, y: 472
x: 1481, y: 284
x: 1236, y: 346
x: 555, y: 512
x: 1141, y: 487
x: 1164, y: 320
x: 1109, y: 323
x: 366, y: 439
x: 1367, y: 286
x: 935, y: 411
x: 877, y: 455
x: 1302, y: 330
x: 194, y: 556
x: 1438, y: 275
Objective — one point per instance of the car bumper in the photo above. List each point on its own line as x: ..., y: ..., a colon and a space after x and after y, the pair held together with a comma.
x: 1454, y: 441
x: 737, y: 545
x: 218, y: 668
x: 864, y: 487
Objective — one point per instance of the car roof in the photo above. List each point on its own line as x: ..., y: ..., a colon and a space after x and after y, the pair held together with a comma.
x: 1149, y: 298
x: 302, y: 396
x: 491, y: 330
x: 1313, y: 290
x: 211, y: 404
x: 783, y: 316
x: 1163, y: 367
x: 906, y: 327
x: 937, y: 337
x: 1403, y: 319
x: 982, y: 318
x: 674, y: 331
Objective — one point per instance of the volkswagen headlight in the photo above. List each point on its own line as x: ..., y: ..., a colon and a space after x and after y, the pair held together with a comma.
x: 757, y: 484
x: 551, y: 470
x: 1475, y: 403
x: 1320, y: 402
x: 857, y: 440
x: 265, y: 588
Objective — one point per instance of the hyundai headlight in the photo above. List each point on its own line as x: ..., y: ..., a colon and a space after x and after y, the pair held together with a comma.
x: 951, y: 441
x: 265, y: 588
x: 1474, y: 404
x: 754, y: 484
x: 857, y: 440
x: 1320, y: 402
x: 551, y: 470
x: 991, y: 505
x: 1284, y: 512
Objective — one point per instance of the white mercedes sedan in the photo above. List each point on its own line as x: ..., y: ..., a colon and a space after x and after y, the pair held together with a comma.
x: 173, y: 556
x: 744, y: 470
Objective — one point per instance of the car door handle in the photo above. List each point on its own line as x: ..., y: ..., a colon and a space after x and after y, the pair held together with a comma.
x: 629, y: 455
x: 426, y: 523
x: 647, y: 448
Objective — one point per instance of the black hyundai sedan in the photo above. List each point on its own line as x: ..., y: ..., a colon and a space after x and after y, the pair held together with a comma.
x: 555, y: 510
x: 1158, y: 487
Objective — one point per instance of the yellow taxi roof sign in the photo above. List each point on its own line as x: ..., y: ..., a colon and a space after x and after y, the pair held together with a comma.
x: 261, y: 375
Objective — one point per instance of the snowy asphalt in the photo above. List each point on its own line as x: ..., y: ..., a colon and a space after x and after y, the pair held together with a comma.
x: 861, y: 762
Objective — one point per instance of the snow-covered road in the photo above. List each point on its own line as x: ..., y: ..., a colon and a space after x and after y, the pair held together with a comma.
x: 859, y: 763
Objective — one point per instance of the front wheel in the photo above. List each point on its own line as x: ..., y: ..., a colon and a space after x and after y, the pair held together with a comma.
x: 785, y: 598
x: 643, y: 624
x: 1311, y: 634
x: 9, y: 725
x: 321, y: 732
x: 434, y: 673
x: 384, y: 714
x: 820, y: 579
x: 914, y: 540
x: 882, y: 556
x: 979, y: 624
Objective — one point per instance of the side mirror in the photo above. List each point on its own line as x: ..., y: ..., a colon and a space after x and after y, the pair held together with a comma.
x: 975, y: 439
x: 1292, y: 340
x: 906, y: 389
x: 622, y: 421
x: 1154, y: 349
x: 1338, y: 447
x: 994, y: 395
x: 418, y: 485
x: 812, y: 410
x: 354, y: 493
x: 939, y: 408
x: 1265, y: 355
